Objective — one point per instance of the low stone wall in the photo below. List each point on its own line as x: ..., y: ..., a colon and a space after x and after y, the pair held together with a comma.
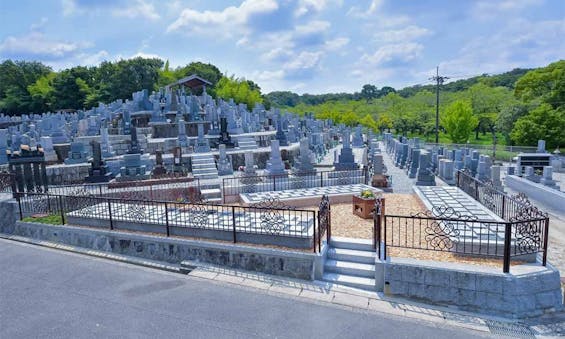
x: 270, y: 261
x: 550, y: 197
x: 529, y: 290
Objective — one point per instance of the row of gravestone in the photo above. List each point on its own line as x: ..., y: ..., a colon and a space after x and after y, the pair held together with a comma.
x: 408, y: 155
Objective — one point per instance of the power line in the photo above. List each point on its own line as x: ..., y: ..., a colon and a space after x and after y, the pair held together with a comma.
x: 439, y: 80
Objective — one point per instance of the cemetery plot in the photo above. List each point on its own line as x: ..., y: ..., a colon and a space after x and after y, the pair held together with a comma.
x: 283, y: 227
x: 307, y: 195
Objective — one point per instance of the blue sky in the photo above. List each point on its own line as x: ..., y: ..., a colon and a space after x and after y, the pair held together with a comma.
x: 307, y: 46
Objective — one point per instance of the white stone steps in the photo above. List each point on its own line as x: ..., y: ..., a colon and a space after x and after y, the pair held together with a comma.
x: 363, y: 257
x: 347, y: 280
x: 351, y: 243
x: 350, y: 268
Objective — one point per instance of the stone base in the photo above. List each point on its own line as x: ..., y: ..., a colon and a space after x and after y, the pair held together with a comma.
x: 529, y: 290
x: 99, y: 178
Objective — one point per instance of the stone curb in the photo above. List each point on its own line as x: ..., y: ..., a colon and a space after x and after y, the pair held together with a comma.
x: 98, y: 254
x: 316, y: 292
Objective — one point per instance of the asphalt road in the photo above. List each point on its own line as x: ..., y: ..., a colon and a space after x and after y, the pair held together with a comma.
x: 51, y: 294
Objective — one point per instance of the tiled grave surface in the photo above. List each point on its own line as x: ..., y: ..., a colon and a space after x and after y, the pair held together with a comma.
x: 307, y: 192
x: 288, y: 223
x: 464, y: 205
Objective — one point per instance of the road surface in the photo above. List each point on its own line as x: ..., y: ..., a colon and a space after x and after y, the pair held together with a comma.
x: 51, y: 294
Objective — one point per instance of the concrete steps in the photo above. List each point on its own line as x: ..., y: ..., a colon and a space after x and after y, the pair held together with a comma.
x: 343, y: 254
x: 350, y: 268
x: 351, y: 244
x: 204, y: 167
x: 350, y: 262
x: 351, y: 281
x: 246, y: 142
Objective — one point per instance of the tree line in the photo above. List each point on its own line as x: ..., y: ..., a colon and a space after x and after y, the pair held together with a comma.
x: 32, y: 87
x: 513, y: 108
x: 517, y: 107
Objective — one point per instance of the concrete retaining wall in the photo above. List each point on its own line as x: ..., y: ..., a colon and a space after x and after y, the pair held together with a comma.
x: 550, y: 197
x: 529, y: 290
x: 264, y: 260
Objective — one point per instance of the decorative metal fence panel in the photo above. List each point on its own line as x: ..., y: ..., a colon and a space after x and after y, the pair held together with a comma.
x: 268, y: 223
x: 235, y: 186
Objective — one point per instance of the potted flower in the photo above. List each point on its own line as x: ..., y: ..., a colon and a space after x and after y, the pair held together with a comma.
x: 363, y: 204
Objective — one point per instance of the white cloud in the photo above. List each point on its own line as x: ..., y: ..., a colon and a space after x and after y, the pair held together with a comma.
x: 139, y: 8
x: 93, y: 59
x: 304, y: 60
x: 38, y: 25
x: 521, y: 43
x: 491, y: 9
x: 400, y: 52
x: 227, y: 21
x: 357, y: 12
x: 336, y: 44
x: 121, y: 8
x: 405, y: 34
x: 310, y: 6
x: 35, y: 43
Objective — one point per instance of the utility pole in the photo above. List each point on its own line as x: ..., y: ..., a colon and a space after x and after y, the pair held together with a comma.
x: 439, y: 81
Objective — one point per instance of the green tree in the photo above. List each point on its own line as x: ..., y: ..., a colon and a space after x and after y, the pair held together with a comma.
x: 384, y: 122
x: 369, y: 122
x: 544, y: 122
x: 42, y: 93
x: 238, y: 90
x: 546, y: 84
x: 459, y: 121
x: 369, y: 92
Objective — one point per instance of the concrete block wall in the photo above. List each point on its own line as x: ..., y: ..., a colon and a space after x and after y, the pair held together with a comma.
x: 269, y: 261
x: 533, y: 291
x: 60, y: 174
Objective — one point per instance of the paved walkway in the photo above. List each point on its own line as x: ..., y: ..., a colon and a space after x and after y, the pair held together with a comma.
x: 47, y: 293
x: 400, y: 181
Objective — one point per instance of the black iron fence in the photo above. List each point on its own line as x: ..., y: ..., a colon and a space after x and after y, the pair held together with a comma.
x: 234, y: 186
x: 521, y: 235
x: 166, y: 189
x: 266, y: 223
x: 507, y: 207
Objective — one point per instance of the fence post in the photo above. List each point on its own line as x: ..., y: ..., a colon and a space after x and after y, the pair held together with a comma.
x: 317, y: 216
x: 110, y: 214
x: 62, y: 210
x: 503, y: 206
x: 322, y: 179
x: 167, y: 218
x: 476, y: 190
x: 545, y: 239
x: 100, y: 189
x: 274, y: 183
x: 19, y: 199
x: 507, y: 239
x: 48, y: 204
x: 233, y: 223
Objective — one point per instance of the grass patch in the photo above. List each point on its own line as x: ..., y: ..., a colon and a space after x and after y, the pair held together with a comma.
x: 52, y: 219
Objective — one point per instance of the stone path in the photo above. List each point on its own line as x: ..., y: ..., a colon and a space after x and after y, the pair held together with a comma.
x: 400, y: 181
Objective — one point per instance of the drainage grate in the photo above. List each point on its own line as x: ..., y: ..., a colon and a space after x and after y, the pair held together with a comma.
x: 509, y: 329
